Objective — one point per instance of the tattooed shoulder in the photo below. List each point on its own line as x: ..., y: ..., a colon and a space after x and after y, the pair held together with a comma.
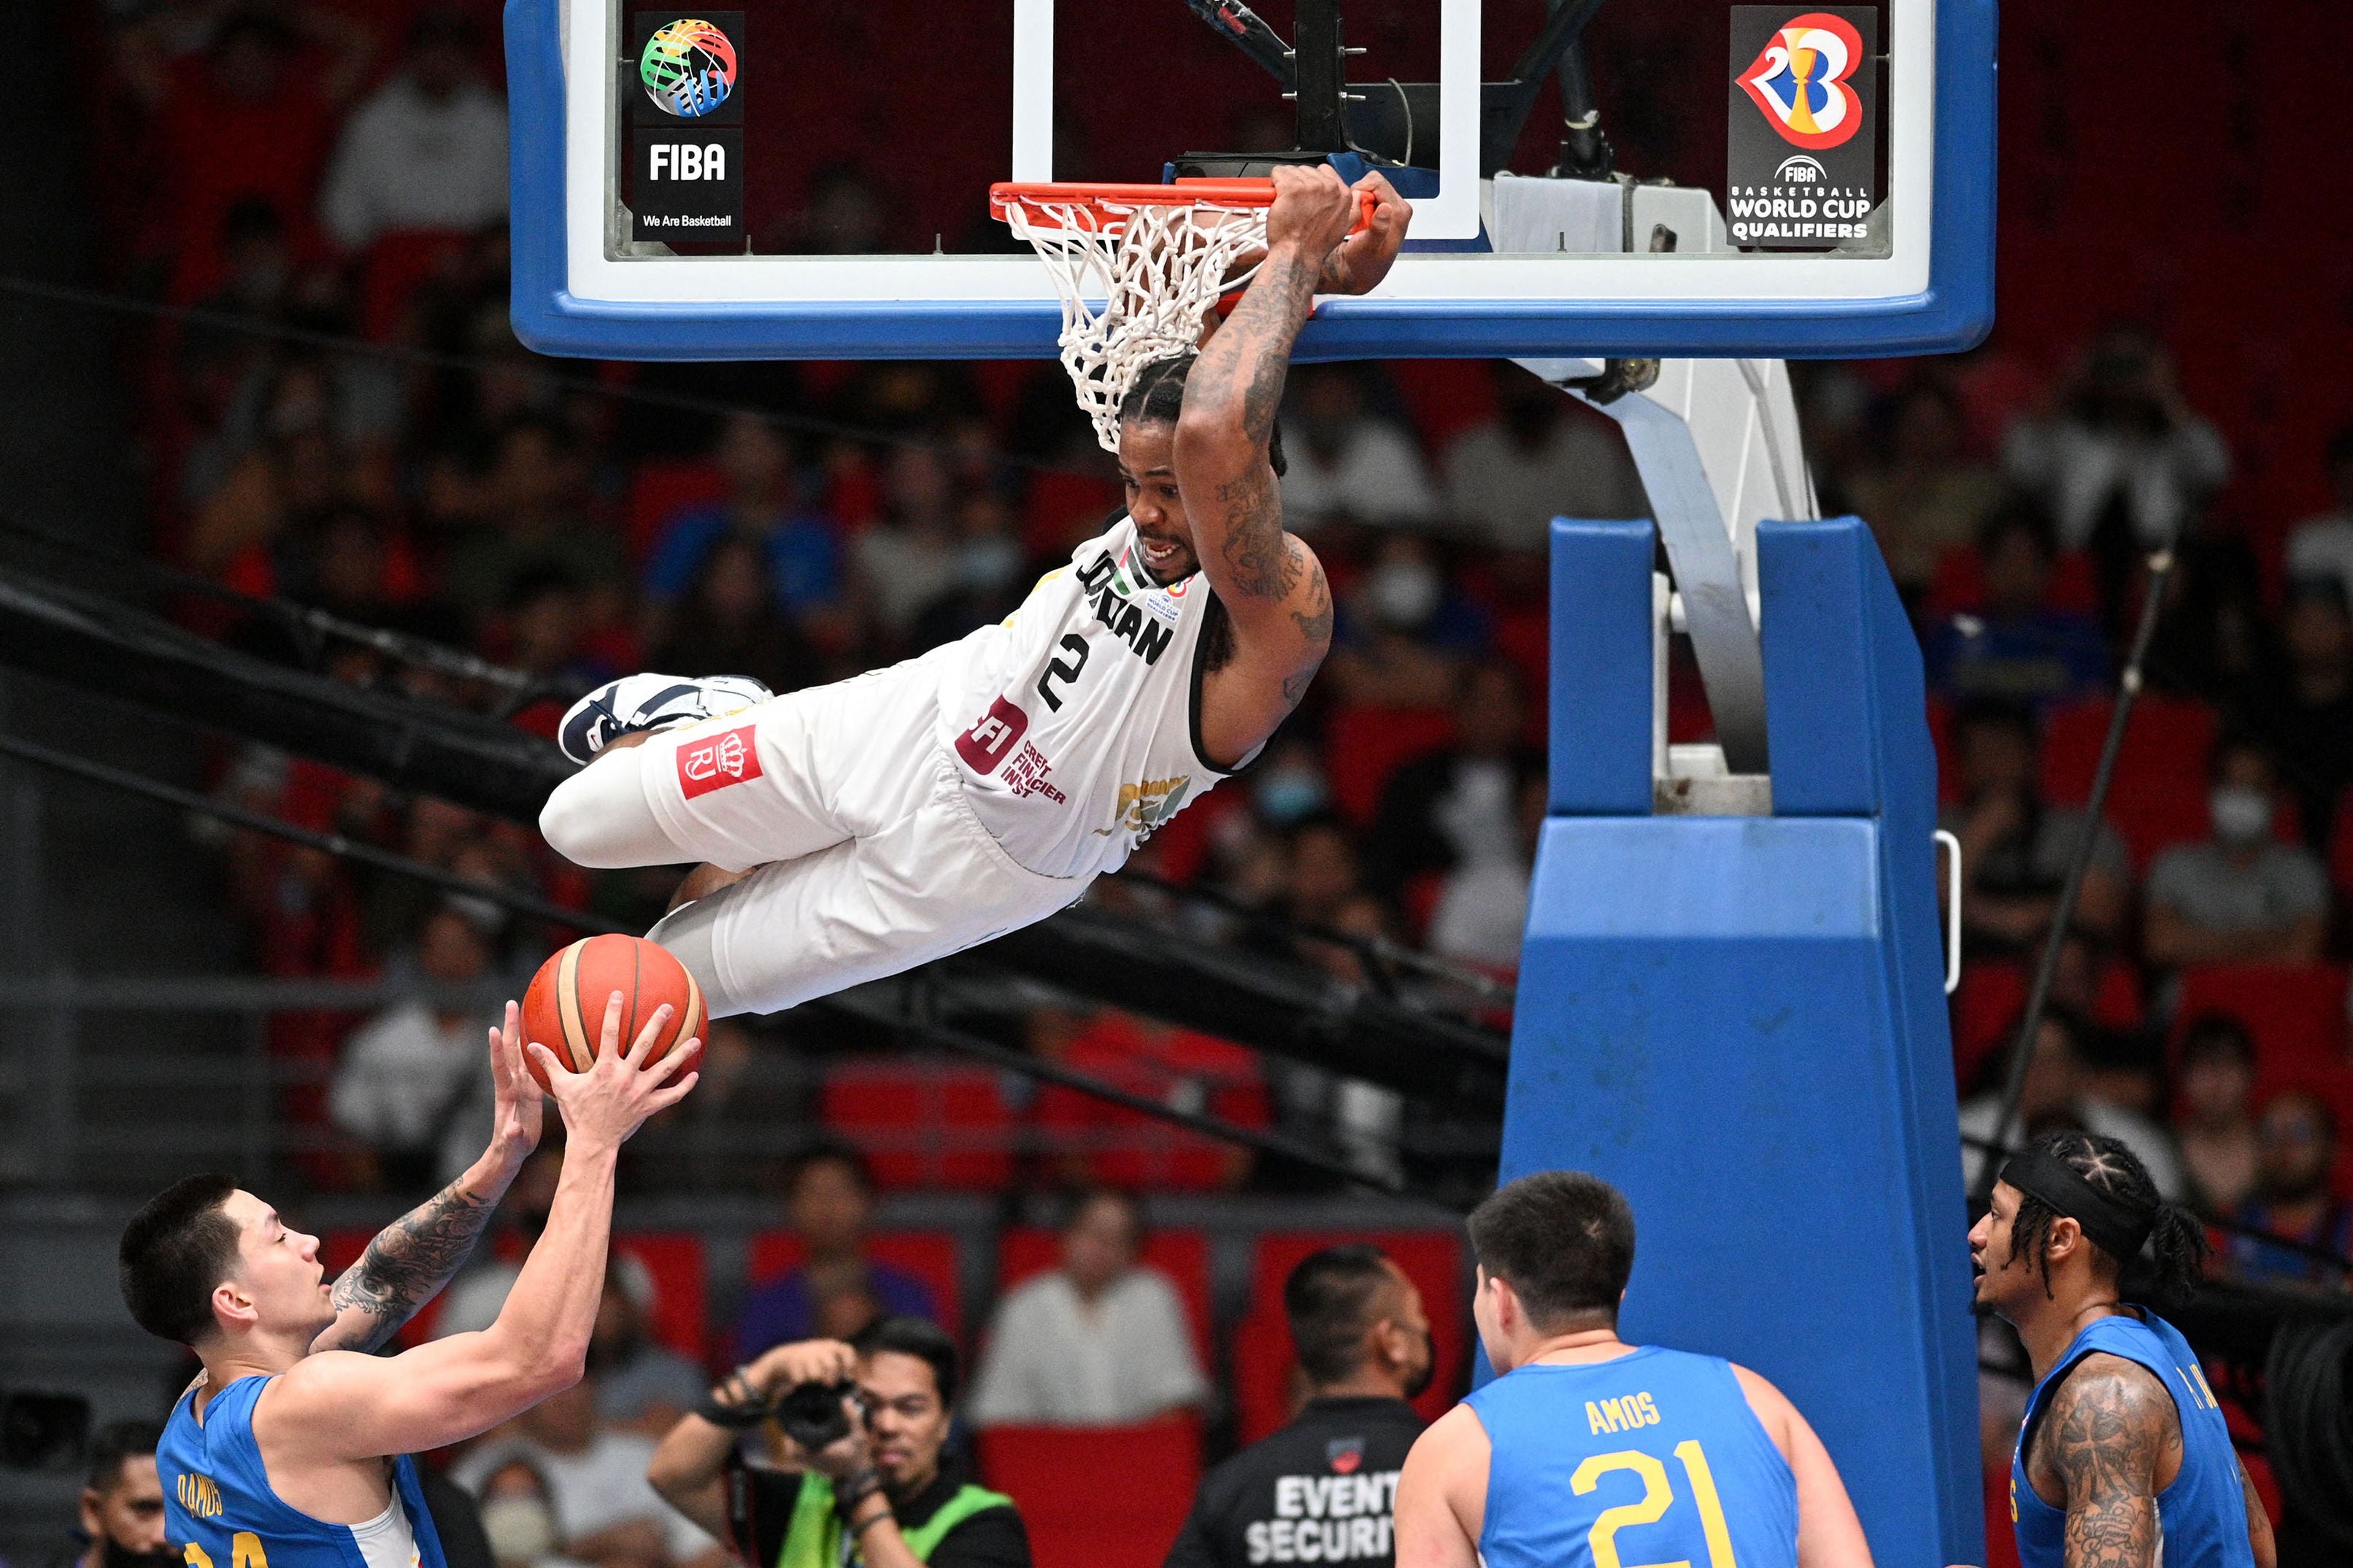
x: 2102, y: 1444
x: 1315, y: 619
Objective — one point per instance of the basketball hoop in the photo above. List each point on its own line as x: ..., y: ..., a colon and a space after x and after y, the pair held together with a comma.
x: 1138, y: 268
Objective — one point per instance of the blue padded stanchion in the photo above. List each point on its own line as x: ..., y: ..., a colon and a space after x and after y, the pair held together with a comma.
x: 1740, y: 1020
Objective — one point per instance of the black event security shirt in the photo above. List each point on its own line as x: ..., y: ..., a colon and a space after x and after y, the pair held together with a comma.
x: 1323, y: 1489
x: 993, y: 1538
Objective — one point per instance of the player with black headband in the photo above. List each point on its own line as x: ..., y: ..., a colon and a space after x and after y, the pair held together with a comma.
x: 2123, y: 1459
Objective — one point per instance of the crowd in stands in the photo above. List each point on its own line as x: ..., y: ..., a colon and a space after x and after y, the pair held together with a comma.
x: 304, y: 173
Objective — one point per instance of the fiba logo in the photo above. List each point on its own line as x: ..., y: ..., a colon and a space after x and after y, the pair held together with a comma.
x: 1799, y: 80
x: 1800, y: 171
x: 688, y: 68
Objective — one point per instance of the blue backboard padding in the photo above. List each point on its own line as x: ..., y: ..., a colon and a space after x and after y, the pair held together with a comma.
x: 1740, y: 1021
x: 1600, y: 710
x: 1953, y: 312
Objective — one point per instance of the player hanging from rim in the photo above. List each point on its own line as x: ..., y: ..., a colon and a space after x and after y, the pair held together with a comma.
x: 2122, y: 1460
x: 290, y: 1449
x: 852, y: 831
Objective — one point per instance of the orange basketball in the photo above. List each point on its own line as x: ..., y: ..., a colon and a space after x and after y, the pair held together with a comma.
x: 564, y: 1008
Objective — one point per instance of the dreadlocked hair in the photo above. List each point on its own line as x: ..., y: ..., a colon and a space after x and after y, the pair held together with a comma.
x: 2176, y: 1242
x: 1158, y: 397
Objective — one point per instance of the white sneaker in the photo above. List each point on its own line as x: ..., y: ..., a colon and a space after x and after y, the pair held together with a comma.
x: 636, y: 703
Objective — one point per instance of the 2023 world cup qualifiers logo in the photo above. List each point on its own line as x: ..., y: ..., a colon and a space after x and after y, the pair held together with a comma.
x: 688, y: 68
x: 1800, y: 80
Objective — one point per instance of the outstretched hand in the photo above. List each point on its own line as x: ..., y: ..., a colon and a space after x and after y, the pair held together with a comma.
x: 607, y: 1103
x: 521, y: 1111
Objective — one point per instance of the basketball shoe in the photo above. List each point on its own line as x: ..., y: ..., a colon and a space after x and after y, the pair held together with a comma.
x: 635, y: 703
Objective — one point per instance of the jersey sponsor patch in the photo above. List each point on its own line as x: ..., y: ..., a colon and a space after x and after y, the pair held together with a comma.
x: 718, y: 761
x: 984, y: 746
x: 1025, y: 775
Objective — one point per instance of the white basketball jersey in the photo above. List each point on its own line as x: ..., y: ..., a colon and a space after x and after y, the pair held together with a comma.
x: 1075, y: 723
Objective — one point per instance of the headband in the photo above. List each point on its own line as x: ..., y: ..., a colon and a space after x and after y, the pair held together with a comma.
x: 2116, y: 1225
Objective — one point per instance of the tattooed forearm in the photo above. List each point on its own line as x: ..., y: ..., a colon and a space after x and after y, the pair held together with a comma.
x: 1244, y: 365
x: 2102, y: 1443
x: 1264, y: 560
x: 407, y: 1263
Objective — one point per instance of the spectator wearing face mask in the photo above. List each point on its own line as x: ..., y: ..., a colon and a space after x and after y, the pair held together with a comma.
x: 2322, y: 544
x: 122, y: 1502
x: 608, y: 1514
x: 2241, y: 896
x: 2295, y: 1153
x: 519, y: 1517
x: 1402, y: 634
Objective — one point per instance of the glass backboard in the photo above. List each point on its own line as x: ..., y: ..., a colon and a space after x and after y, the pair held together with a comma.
x: 791, y: 178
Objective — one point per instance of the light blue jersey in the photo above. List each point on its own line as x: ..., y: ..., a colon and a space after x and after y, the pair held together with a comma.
x: 220, y: 1512
x: 1652, y: 1457
x: 2201, y: 1517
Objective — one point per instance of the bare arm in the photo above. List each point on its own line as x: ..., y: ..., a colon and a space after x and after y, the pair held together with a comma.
x: 339, y: 1406
x: 689, y: 1469
x: 1829, y: 1533
x: 2102, y: 1448
x: 1441, y: 1495
x: 2259, y: 1523
x: 1271, y: 584
x: 409, y: 1261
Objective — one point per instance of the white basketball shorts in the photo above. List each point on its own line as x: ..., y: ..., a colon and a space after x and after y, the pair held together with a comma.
x: 868, y: 859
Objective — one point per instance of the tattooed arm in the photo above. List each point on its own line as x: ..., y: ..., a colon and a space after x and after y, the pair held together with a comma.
x: 414, y: 1256
x: 2259, y: 1523
x: 2110, y: 1442
x: 1271, y: 584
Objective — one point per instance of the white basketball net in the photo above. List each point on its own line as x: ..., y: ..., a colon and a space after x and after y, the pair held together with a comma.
x: 1156, y: 269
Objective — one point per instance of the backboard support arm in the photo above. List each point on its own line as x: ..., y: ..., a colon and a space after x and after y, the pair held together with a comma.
x: 1717, y: 444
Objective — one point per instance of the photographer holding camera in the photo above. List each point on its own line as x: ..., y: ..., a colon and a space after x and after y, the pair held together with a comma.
x: 861, y: 1427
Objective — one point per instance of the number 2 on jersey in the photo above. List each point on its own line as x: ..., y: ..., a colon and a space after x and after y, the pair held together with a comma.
x: 1658, y: 1496
x: 245, y: 1552
x: 1068, y: 670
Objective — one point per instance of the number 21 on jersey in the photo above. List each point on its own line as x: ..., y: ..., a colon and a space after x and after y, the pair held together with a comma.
x: 1658, y: 1496
x: 245, y: 1552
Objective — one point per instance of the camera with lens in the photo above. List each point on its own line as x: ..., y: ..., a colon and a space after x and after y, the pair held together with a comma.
x: 814, y: 1415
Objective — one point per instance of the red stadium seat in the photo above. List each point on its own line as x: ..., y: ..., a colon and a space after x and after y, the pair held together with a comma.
x: 681, y: 1317
x: 1121, y: 1148
x: 399, y: 264
x: 929, y: 1254
x: 2295, y: 1012
x: 1024, y: 1252
x: 1262, y: 1360
x: 2159, y: 796
x: 1362, y: 746
x: 661, y: 487
x: 922, y: 1124
x: 1058, y: 1475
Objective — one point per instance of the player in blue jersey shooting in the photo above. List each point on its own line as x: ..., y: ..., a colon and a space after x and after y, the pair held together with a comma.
x: 1586, y: 1452
x: 2123, y: 1459
x: 289, y: 1450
